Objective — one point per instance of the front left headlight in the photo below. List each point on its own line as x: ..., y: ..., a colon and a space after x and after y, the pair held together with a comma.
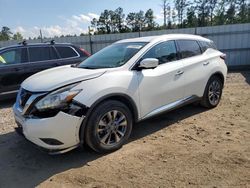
x: 58, y: 99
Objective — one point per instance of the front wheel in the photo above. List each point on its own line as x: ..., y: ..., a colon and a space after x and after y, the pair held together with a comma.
x: 213, y: 92
x: 109, y: 126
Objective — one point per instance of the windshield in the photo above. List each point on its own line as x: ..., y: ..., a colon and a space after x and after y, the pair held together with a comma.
x: 112, y: 56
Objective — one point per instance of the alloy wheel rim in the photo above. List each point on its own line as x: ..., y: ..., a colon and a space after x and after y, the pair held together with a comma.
x: 214, y: 92
x: 112, y: 127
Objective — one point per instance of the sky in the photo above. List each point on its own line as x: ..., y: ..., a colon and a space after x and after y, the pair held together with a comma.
x: 61, y: 17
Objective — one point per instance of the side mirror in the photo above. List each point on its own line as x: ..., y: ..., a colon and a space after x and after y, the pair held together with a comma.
x: 149, y: 63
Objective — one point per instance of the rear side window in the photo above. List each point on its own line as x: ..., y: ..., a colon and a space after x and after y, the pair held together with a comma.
x: 188, y: 48
x: 41, y: 54
x: 205, y: 45
x: 66, y: 52
x: 13, y: 56
x: 164, y: 52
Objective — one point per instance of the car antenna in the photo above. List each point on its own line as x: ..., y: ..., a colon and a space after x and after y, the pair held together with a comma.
x: 23, y: 43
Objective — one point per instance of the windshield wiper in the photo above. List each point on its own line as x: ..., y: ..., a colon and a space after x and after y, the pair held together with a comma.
x: 88, y: 67
x: 94, y: 67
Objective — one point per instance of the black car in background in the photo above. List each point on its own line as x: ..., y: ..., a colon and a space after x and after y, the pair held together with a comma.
x: 21, y: 61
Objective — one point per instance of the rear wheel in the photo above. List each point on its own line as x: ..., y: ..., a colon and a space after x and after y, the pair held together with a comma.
x: 109, y: 126
x: 213, y: 92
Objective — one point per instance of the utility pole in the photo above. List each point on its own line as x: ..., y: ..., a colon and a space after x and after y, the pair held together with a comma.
x: 90, y: 40
x: 41, y: 36
x: 140, y: 31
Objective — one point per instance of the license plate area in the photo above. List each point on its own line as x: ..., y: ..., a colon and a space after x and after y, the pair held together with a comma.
x: 19, y: 121
x: 19, y: 128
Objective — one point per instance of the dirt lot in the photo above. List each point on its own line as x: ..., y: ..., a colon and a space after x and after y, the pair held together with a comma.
x: 189, y: 147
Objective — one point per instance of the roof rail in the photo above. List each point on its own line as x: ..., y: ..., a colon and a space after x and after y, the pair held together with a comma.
x: 24, y: 42
x: 52, y: 42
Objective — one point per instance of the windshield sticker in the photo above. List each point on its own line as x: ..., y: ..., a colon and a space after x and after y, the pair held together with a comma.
x: 134, y: 46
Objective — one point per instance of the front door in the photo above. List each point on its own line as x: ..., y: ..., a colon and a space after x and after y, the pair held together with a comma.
x: 162, y: 85
x: 11, y: 69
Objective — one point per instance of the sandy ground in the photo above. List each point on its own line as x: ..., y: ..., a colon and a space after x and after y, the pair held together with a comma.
x: 189, y: 147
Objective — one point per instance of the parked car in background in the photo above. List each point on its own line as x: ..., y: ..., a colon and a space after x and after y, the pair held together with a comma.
x: 21, y: 61
x: 98, y: 101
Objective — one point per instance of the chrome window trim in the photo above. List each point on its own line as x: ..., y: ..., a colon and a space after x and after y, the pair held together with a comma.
x: 176, y: 42
x: 59, y: 58
x: 12, y: 48
x: 34, y: 62
x: 137, y: 60
x: 159, y: 42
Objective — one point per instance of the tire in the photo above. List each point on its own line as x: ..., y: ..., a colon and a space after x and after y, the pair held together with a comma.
x: 213, y: 91
x: 108, y: 127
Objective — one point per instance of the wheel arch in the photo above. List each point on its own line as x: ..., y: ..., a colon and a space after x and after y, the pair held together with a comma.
x: 204, y: 101
x: 127, y: 100
x: 220, y: 75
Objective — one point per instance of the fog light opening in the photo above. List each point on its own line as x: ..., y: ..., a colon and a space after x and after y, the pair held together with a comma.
x: 51, y: 141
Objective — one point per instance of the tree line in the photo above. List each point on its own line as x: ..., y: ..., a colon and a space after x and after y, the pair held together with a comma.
x: 199, y: 13
x: 175, y: 14
x: 116, y: 22
x: 6, y: 34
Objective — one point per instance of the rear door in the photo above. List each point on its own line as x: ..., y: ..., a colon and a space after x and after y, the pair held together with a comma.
x: 11, y: 69
x: 195, y: 67
x: 40, y: 58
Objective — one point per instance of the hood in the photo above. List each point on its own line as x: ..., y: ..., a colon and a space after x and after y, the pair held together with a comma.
x: 54, y: 78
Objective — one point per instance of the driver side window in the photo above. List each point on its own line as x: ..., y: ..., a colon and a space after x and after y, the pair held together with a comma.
x: 164, y: 52
x: 10, y: 57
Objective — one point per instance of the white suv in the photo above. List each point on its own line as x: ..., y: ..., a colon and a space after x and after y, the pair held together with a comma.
x: 98, y: 101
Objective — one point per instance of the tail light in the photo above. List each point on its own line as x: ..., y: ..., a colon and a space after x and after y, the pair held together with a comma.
x: 85, y: 52
x: 223, y: 56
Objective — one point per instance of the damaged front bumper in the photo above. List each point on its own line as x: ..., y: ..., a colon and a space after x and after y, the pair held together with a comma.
x: 57, y: 134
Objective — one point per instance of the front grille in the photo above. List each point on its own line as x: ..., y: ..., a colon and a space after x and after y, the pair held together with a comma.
x: 24, y: 97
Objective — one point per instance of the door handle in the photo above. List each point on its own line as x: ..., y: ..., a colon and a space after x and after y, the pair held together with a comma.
x: 206, y: 63
x: 179, y: 73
